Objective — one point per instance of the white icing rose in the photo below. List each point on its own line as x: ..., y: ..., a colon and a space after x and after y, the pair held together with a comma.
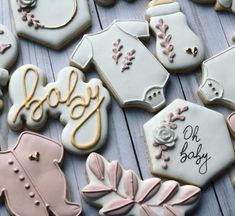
x: 27, y: 3
x: 164, y: 136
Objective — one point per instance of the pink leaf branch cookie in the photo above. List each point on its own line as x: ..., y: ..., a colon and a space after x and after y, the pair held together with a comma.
x: 130, y: 56
x: 117, y: 50
x: 165, y: 137
x: 121, y: 192
x: 167, y: 47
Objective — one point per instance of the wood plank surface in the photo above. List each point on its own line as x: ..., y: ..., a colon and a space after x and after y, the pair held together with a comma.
x: 125, y: 140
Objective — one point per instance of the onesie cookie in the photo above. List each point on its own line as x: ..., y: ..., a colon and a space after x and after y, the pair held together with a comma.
x: 80, y: 106
x: 126, y: 66
x: 121, y: 192
x: 181, y: 139
x: 28, y: 171
x: 54, y: 28
x: 217, y: 85
x: 177, y: 48
x: 8, y: 48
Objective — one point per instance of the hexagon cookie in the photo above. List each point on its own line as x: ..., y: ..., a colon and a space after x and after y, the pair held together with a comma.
x: 184, y: 138
x: 55, y: 27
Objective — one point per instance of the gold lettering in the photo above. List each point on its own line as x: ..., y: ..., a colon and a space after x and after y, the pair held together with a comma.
x: 53, y: 98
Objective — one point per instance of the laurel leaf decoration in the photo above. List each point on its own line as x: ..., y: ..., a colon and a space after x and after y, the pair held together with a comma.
x: 165, y: 38
x: 121, y: 192
x: 96, y: 165
x: 118, y: 207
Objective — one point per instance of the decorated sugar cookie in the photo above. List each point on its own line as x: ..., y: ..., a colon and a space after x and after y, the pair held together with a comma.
x: 217, y: 83
x: 131, y: 72
x: 80, y: 106
x: 27, y: 185
x: 121, y: 192
x: 177, y: 48
x: 55, y: 27
x: 8, y: 48
x: 108, y: 2
x: 181, y: 140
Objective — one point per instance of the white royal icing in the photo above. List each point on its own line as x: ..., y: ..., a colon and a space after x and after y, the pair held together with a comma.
x: 80, y: 106
x: 190, y: 143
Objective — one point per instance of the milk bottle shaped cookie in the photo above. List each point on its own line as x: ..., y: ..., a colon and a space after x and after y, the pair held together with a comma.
x: 178, y: 48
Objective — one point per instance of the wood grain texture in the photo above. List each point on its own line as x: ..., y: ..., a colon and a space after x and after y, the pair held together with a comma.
x: 125, y: 139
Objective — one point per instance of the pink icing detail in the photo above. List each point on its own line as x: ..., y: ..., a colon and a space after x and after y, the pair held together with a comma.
x: 118, y: 207
x: 114, y: 174
x: 130, y: 56
x: 168, y: 192
x: 96, y: 191
x: 231, y: 122
x: 35, y: 197
x: 147, y: 211
x: 96, y: 165
x: 28, y: 17
x: 188, y: 195
x: 138, y: 195
x: 176, y: 117
x: 170, y: 122
x: 117, y: 50
x: 165, y: 40
x: 169, y: 210
x: 149, y: 190
x: 130, y: 184
x: 4, y: 48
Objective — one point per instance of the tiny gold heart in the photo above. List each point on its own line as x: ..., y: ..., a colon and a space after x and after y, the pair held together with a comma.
x: 192, y: 51
x: 35, y: 156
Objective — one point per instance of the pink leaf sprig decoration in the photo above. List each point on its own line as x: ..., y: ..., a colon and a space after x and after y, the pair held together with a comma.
x: 177, y: 116
x: 28, y: 17
x: 130, y: 56
x: 168, y: 48
x: 169, y: 126
x: 117, y: 50
x: 121, y: 192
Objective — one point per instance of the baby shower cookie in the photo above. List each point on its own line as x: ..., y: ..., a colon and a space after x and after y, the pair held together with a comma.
x: 8, y: 48
x: 29, y: 169
x: 126, y: 66
x: 121, y: 192
x: 178, y: 48
x: 51, y: 23
x: 80, y: 106
x: 181, y: 139
x: 217, y: 83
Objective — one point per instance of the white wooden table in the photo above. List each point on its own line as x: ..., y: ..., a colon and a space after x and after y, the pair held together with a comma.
x: 125, y: 141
